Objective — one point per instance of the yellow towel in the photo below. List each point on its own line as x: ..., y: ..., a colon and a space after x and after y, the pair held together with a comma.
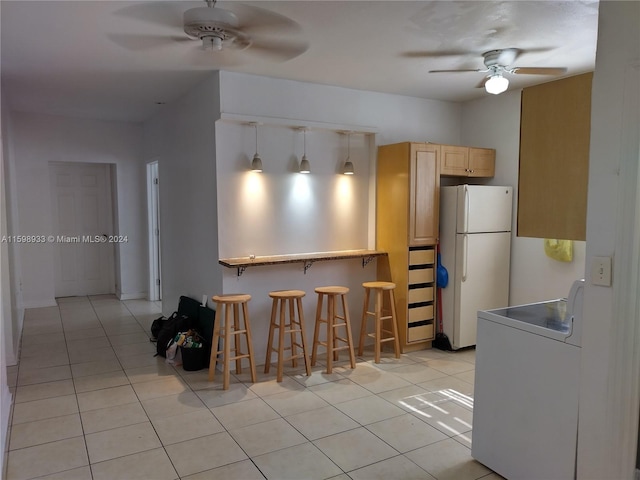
x: 561, y: 250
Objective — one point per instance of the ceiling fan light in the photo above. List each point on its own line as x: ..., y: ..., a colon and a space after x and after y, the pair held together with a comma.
x: 496, y: 84
x: 305, y: 166
x: 256, y: 163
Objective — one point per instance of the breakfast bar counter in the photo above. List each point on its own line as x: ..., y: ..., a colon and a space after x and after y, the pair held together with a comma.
x: 241, y: 263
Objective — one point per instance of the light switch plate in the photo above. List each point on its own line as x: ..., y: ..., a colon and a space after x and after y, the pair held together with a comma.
x: 601, y: 271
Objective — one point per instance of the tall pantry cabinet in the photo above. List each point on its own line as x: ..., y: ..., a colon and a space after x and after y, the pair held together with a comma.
x: 407, y: 206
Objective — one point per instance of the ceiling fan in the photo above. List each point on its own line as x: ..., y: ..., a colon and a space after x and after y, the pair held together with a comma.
x: 498, y: 63
x: 223, y: 31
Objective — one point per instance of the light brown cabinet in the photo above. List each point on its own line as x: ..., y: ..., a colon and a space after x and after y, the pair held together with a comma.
x: 553, y: 178
x: 407, y: 209
x: 467, y: 161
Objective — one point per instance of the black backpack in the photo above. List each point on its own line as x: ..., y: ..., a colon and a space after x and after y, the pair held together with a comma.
x: 170, y: 328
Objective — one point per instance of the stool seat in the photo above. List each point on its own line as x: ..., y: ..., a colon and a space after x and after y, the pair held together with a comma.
x: 287, y: 301
x: 287, y: 294
x: 231, y: 298
x: 332, y: 290
x: 381, y: 285
x: 230, y: 310
x: 335, y: 294
x: 380, y: 334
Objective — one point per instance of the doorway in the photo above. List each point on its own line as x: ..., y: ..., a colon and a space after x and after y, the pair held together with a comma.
x: 82, y: 218
x: 153, y: 202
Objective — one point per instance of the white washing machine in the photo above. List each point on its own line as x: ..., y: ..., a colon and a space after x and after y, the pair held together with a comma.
x: 525, y: 414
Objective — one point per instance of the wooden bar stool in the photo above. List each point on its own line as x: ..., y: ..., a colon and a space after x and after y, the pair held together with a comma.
x: 332, y: 338
x: 379, y: 288
x: 226, y: 327
x: 287, y: 300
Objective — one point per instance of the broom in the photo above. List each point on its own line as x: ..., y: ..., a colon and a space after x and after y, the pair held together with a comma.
x: 442, y: 276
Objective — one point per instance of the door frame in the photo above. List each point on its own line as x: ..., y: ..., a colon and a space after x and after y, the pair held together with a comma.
x: 153, y: 231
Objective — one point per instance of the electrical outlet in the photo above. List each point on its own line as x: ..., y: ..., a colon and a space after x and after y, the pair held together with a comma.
x: 601, y: 271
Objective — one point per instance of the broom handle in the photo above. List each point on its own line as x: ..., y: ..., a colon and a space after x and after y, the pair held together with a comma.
x: 439, y: 310
x: 439, y: 299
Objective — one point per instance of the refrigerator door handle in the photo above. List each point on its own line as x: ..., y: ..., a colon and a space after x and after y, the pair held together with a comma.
x: 465, y: 240
x: 466, y: 209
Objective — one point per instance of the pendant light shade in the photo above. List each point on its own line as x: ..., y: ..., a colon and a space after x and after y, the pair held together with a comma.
x: 305, y: 166
x: 348, y: 164
x: 256, y: 163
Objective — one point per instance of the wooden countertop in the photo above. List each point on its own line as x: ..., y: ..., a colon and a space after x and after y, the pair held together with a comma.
x: 241, y: 263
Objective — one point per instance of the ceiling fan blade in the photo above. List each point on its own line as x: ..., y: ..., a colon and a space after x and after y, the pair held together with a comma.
x: 455, y: 71
x: 157, y: 13
x: 258, y: 20
x: 481, y: 83
x: 146, y: 42
x: 539, y: 71
x: 277, y: 50
x: 434, y: 53
x: 508, y: 55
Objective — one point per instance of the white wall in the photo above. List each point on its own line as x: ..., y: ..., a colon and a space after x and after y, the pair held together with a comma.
x: 494, y: 122
x: 39, y: 139
x: 611, y: 333
x: 281, y: 211
x: 7, y: 345
x: 182, y: 139
x: 397, y: 118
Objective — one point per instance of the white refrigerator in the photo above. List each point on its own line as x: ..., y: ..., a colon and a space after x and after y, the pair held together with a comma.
x: 475, y: 248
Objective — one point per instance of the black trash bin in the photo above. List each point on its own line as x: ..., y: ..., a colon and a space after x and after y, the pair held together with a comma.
x: 193, y: 358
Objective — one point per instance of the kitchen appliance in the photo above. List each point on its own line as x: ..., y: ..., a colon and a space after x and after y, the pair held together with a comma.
x: 525, y: 413
x: 475, y: 245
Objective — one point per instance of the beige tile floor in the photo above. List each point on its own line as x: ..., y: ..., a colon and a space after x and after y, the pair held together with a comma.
x: 92, y: 402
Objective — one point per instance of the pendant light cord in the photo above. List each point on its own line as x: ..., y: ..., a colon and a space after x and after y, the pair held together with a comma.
x: 256, y: 127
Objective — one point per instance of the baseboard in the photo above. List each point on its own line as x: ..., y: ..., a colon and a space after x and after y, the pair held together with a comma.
x: 132, y: 296
x: 40, y: 303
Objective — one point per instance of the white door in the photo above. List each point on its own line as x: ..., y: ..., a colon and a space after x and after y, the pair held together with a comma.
x: 482, y: 281
x: 82, y: 221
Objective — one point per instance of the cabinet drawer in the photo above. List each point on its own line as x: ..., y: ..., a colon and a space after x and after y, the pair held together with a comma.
x: 422, y: 332
x: 418, y: 314
x: 420, y: 257
x: 417, y: 295
x: 421, y: 275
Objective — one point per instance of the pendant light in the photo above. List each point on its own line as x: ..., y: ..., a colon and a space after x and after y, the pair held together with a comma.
x: 348, y: 165
x: 256, y: 163
x: 305, y: 166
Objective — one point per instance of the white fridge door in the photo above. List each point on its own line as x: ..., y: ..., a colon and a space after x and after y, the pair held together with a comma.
x: 482, y: 281
x: 483, y: 208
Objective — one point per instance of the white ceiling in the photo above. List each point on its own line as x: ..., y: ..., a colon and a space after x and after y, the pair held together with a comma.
x: 66, y: 57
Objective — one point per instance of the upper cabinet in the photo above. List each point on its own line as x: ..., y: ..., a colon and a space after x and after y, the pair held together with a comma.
x: 408, y: 195
x: 555, y: 128
x: 424, y: 194
x: 467, y: 161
